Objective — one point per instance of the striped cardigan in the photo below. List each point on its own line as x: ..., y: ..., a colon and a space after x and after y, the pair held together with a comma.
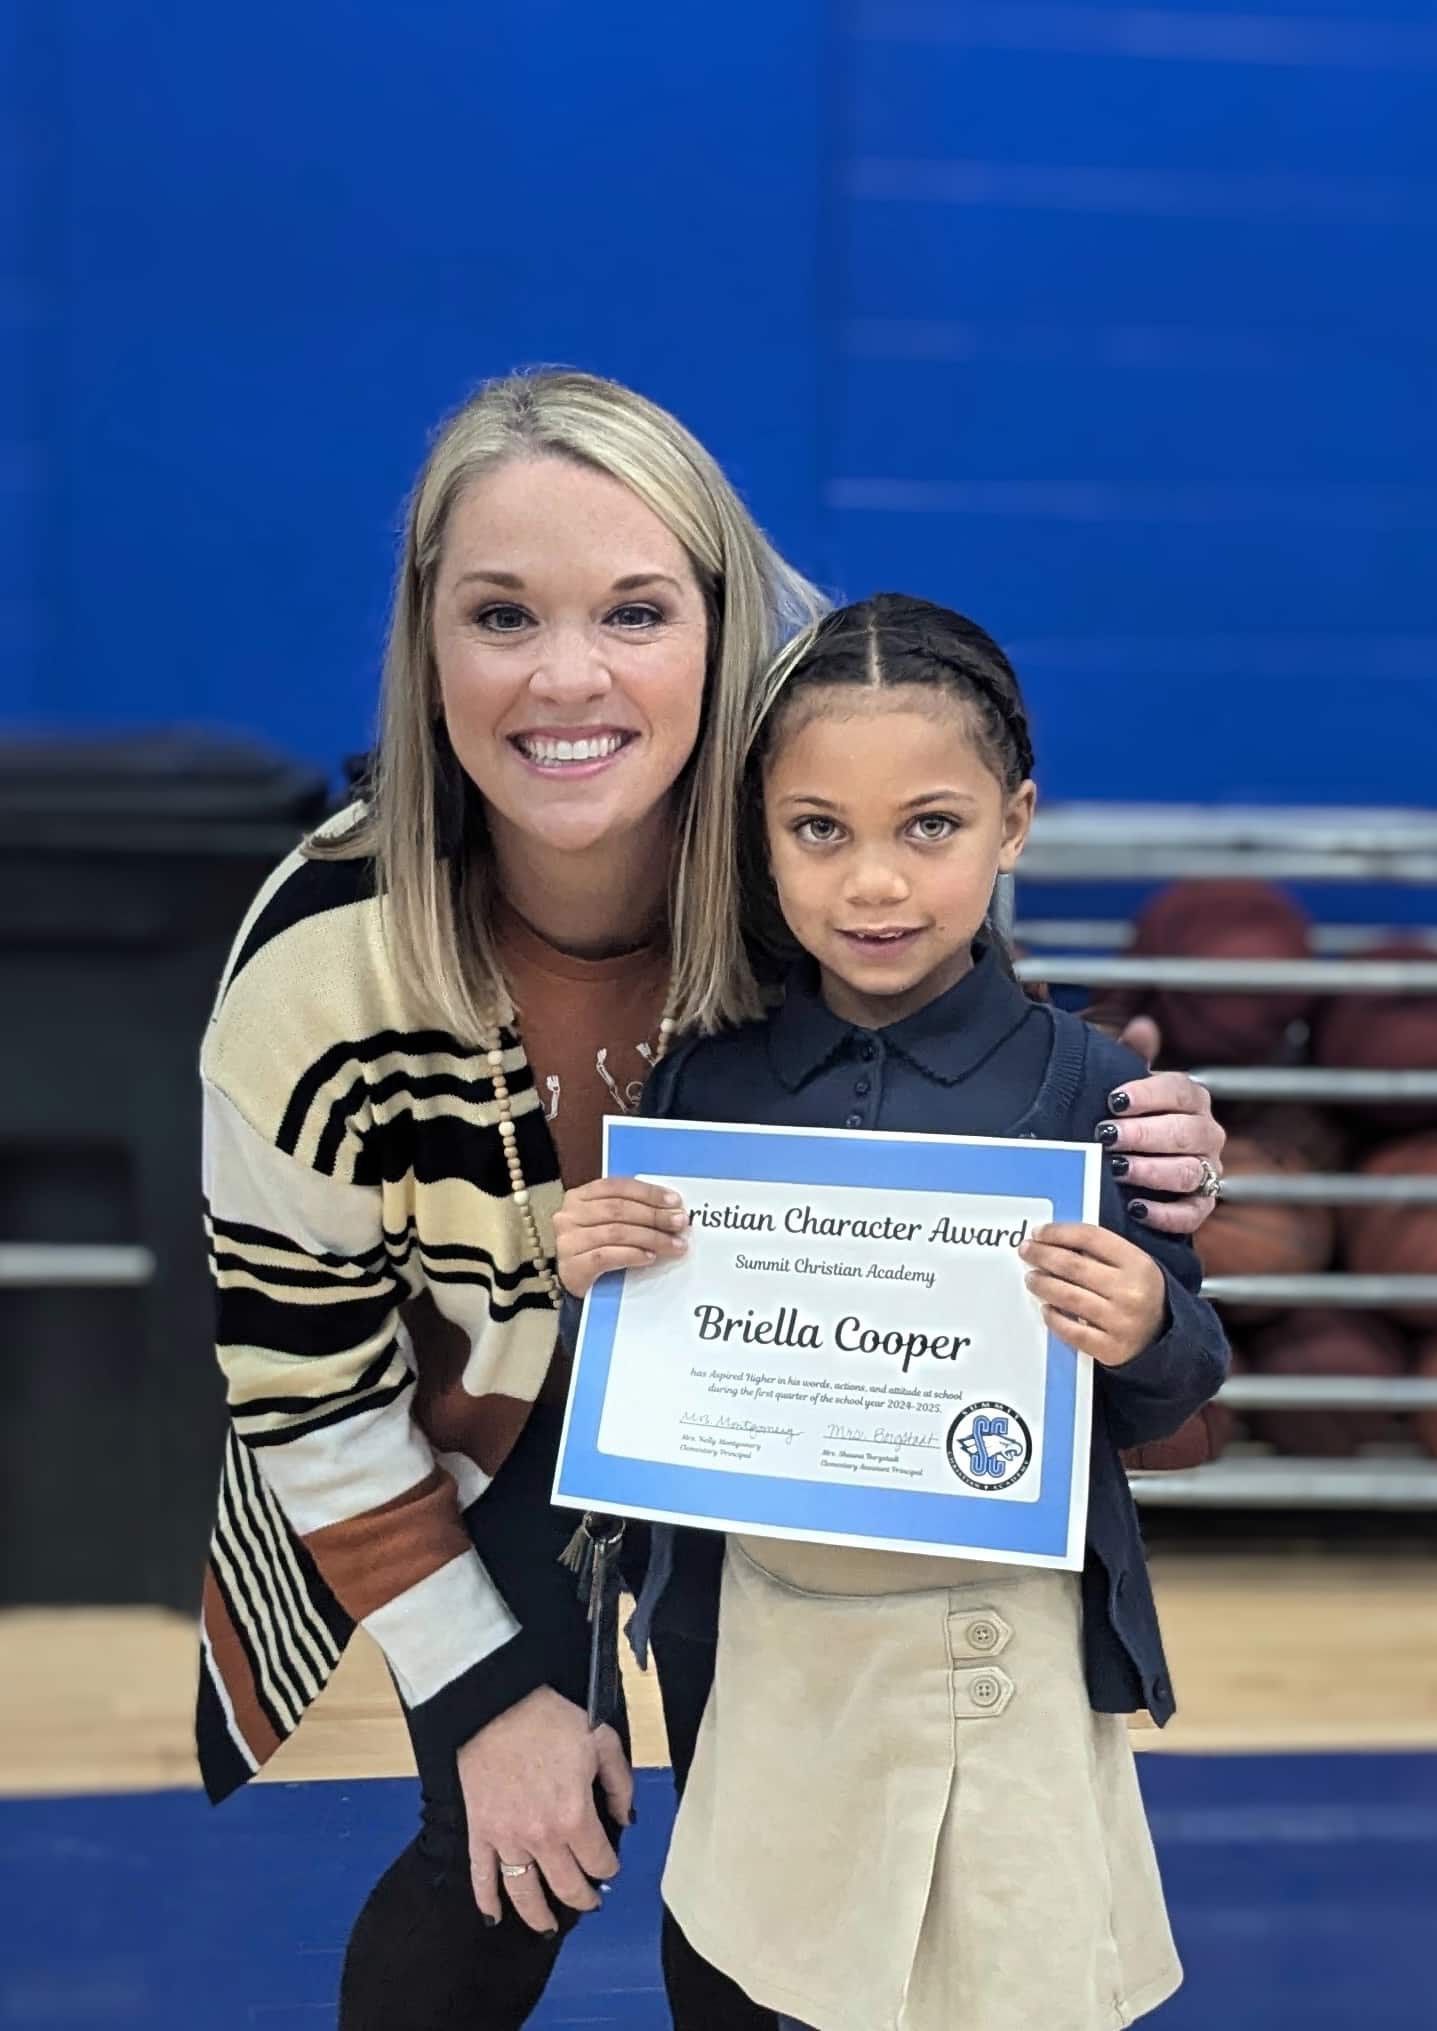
x: 352, y: 1158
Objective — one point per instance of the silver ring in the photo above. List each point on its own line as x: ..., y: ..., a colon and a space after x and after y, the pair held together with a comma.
x: 1211, y: 1186
x: 515, y: 1868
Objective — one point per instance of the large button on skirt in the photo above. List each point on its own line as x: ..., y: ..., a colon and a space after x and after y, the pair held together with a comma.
x: 903, y: 1815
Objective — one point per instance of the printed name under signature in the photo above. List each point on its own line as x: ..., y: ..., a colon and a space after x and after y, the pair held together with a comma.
x: 718, y: 1422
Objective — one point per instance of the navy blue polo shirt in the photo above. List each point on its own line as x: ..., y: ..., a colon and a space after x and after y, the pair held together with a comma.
x: 982, y: 1059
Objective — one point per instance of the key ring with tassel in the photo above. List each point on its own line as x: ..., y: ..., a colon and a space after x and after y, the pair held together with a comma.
x: 592, y: 1554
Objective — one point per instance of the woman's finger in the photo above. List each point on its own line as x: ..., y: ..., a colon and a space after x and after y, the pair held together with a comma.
x: 616, y: 1776
x: 1163, y: 1135
x: 566, y: 1879
x: 1143, y: 1036
x: 526, y: 1894
x: 1174, y: 1216
x: 1161, y: 1093
x: 594, y: 1853
x: 484, y: 1875
x: 1162, y: 1174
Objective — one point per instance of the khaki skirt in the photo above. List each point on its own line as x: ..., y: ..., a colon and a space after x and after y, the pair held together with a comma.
x: 903, y: 1815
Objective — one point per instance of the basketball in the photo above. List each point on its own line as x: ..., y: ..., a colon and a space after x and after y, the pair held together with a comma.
x: 1382, y: 1033
x: 1222, y: 920
x: 1396, y: 1240
x: 1261, y: 1240
x: 1196, y: 1441
x: 1327, y: 1343
x: 1317, y: 1138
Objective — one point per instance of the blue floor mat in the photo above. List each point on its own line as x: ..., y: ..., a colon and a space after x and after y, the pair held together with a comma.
x: 1302, y: 1892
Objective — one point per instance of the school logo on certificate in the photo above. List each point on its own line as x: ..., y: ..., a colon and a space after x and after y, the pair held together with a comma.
x: 989, y: 1446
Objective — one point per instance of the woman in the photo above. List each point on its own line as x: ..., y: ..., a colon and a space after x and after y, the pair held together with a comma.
x: 583, y: 605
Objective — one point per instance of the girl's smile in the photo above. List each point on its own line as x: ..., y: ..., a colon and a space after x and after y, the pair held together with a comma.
x: 887, y: 944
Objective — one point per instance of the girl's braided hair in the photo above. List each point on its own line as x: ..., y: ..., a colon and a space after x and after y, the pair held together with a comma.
x: 893, y: 639
x: 889, y: 640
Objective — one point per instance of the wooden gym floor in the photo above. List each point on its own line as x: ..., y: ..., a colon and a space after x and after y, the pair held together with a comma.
x: 1273, y: 1651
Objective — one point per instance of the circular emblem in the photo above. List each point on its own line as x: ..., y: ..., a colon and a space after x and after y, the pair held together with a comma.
x: 989, y: 1447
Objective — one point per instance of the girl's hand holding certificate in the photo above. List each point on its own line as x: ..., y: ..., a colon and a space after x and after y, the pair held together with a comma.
x: 1099, y: 1292
x: 615, y: 1223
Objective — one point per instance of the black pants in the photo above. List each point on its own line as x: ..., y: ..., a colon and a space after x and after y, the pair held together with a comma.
x: 420, y: 1957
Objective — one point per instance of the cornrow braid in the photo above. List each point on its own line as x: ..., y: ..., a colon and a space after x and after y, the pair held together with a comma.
x: 894, y: 639
x: 1001, y: 698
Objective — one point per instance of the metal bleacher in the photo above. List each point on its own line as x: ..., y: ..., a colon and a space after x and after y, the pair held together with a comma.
x: 1127, y: 845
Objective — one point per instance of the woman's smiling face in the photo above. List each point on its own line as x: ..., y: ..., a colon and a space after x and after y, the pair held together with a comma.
x: 570, y: 637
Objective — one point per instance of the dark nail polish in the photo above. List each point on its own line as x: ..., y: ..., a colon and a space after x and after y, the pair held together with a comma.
x: 550, y: 1932
x: 1118, y: 1165
x: 490, y: 1922
x: 1108, y: 1132
x: 633, y: 1816
x: 1137, y: 1210
x: 1118, y: 1101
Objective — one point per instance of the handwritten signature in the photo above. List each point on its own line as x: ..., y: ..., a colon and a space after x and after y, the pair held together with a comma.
x: 717, y: 1422
x: 882, y: 1435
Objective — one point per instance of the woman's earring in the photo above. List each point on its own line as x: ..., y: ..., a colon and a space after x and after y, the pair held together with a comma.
x: 450, y: 795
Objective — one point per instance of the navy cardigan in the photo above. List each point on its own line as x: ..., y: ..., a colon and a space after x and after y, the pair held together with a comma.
x: 982, y: 1059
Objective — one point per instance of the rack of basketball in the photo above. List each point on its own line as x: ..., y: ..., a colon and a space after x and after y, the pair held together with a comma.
x: 1318, y: 1041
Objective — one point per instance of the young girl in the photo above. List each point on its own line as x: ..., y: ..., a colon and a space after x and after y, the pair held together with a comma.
x: 913, y: 1806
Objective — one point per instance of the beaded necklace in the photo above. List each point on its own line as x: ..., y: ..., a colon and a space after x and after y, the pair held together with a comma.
x: 592, y: 1552
x: 509, y: 1137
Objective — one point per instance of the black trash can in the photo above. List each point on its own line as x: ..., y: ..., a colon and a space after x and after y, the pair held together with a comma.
x: 126, y: 867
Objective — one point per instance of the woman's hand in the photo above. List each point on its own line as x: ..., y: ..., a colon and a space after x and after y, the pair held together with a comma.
x: 1162, y: 1130
x: 528, y: 1781
x: 615, y: 1223
x: 1099, y: 1293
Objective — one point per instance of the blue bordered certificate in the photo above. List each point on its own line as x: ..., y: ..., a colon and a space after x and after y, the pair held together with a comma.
x: 848, y: 1352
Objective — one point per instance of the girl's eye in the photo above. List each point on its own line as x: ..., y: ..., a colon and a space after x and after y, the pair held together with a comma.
x: 502, y: 620
x: 636, y: 615
x: 933, y: 827
x: 817, y: 831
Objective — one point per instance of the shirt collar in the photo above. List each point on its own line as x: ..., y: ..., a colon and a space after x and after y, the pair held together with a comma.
x: 948, y: 1039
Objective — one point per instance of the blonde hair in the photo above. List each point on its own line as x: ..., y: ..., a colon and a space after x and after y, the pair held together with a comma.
x: 439, y: 919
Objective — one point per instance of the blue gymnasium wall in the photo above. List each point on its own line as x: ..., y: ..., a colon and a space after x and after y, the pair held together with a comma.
x: 1113, y: 325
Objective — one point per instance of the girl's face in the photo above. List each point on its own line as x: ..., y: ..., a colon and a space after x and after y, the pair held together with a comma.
x: 570, y: 638
x: 886, y: 829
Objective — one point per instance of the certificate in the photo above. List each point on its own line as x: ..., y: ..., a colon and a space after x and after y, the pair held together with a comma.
x: 848, y: 1353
